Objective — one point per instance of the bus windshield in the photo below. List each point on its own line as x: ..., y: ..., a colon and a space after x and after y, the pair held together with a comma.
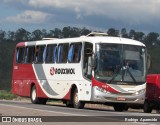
x: 120, y: 63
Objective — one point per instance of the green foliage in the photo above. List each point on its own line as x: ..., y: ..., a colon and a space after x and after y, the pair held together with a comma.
x: 113, y: 32
x: 8, y: 41
x: 7, y: 95
x: 6, y: 59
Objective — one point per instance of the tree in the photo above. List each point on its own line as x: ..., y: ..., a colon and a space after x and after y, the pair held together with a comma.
x: 37, y: 35
x: 132, y: 34
x: 66, y: 32
x: 2, y: 36
x: 22, y: 35
x: 84, y: 31
x: 75, y: 32
x: 11, y: 36
x: 124, y: 33
x: 44, y: 33
x: 151, y: 38
x: 139, y: 36
x: 57, y: 33
x: 113, y: 32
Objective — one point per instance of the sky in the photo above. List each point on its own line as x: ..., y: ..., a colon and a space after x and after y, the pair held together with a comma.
x: 140, y: 15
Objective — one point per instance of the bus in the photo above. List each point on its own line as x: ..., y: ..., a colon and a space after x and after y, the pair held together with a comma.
x: 89, y: 69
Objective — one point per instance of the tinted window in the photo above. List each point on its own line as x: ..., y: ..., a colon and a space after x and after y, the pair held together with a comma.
x: 20, y: 55
x: 40, y: 53
x: 29, y: 55
x: 63, y: 53
x: 74, y: 54
x: 51, y: 54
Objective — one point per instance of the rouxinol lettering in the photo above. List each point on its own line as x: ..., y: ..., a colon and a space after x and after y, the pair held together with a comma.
x: 64, y: 71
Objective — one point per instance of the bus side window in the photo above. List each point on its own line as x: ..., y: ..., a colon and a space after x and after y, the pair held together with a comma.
x: 51, y: 53
x: 20, y: 55
x: 88, y: 48
x: 74, y: 54
x: 30, y: 54
x: 70, y: 53
x: 39, y: 54
x: 62, y: 53
x: 77, y: 52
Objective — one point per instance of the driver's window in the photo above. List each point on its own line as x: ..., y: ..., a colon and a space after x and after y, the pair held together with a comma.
x: 87, y: 67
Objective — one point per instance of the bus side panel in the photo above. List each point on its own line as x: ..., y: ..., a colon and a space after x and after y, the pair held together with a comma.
x: 40, y: 92
x: 57, y: 83
x: 23, y: 78
x: 67, y: 96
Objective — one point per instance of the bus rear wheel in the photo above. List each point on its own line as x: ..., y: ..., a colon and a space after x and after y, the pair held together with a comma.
x: 76, y: 103
x: 68, y: 104
x: 35, y: 99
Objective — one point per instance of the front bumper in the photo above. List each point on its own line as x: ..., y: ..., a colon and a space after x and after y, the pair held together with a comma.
x: 99, y: 96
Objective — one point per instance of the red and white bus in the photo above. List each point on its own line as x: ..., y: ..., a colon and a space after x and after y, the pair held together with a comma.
x: 94, y: 68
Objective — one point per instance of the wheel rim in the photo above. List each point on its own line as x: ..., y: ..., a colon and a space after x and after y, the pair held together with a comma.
x: 33, y: 94
x: 76, y: 99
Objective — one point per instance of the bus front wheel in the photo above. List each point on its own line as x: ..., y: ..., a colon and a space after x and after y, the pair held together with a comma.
x: 76, y: 103
x: 119, y: 107
x: 35, y: 99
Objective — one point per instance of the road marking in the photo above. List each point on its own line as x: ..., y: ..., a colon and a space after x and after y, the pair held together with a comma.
x: 44, y: 110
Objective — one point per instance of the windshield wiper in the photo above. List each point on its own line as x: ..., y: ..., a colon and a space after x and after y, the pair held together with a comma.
x: 123, y: 74
x: 127, y: 70
x: 114, y: 74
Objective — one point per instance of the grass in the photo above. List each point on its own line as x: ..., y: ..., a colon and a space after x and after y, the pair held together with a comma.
x: 7, y: 95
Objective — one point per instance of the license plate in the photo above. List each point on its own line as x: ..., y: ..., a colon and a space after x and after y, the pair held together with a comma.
x: 121, y: 99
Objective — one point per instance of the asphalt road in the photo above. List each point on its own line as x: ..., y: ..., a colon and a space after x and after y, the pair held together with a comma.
x: 57, y: 113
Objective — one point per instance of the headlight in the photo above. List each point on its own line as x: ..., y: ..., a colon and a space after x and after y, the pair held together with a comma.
x: 140, y: 91
x: 102, y: 90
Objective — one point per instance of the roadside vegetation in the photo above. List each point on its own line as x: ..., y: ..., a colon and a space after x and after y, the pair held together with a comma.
x: 7, y: 95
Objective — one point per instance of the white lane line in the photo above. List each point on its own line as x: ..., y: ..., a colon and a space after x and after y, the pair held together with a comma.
x: 63, y: 113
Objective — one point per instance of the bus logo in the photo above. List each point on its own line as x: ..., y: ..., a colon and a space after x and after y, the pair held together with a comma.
x: 52, y: 71
x: 61, y: 71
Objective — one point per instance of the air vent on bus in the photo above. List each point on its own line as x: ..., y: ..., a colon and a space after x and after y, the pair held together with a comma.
x: 97, y: 34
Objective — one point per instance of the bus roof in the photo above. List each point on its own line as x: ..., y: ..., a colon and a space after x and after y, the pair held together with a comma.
x: 92, y: 39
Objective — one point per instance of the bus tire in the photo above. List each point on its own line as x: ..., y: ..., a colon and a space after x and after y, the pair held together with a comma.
x: 76, y: 103
x: 147, y: 108
x: 119, y: 107
x: 34, y: 98
x: 43, y: 101
x: 68, y: 104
